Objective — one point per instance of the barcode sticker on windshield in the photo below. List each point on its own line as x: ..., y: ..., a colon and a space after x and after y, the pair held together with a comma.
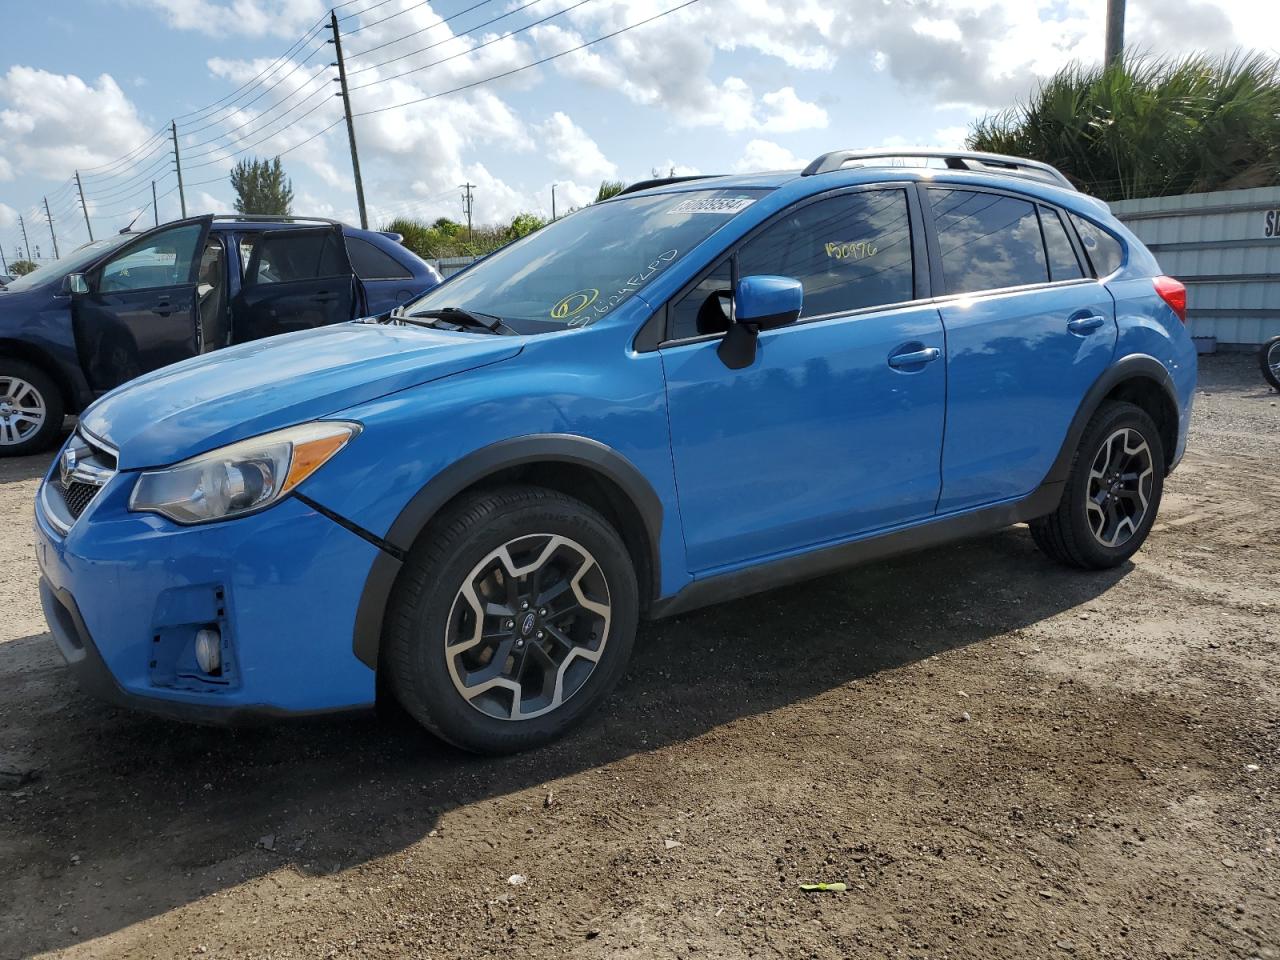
x: 722, y: 205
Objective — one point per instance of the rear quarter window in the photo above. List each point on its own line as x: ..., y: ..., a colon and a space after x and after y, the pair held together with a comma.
x: 370, y: 263
x: 1104, y: 251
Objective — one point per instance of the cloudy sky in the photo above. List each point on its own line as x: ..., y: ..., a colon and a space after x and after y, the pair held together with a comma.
x: 718, y: 86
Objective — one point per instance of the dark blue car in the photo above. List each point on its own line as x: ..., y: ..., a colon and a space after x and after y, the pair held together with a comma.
x: 128, y: 304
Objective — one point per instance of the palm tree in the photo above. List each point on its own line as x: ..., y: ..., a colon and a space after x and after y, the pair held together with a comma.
x: 1150, y: 126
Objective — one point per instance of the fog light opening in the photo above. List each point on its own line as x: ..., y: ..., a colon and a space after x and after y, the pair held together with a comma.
x: 209, y: 651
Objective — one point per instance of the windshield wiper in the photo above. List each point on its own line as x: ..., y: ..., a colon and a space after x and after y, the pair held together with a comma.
x: 455, y: 318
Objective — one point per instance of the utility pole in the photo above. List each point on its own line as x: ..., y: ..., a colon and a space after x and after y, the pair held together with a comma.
x: 83, y: 206
x: 56, y: 255
x: 4, y: 267
x: 1115, y: 33
x: 346, y: 107
x: 155, y: 204
x: 177, y: 160
x: 26, y: 244
x: 553, y: 201
x: 466, y: 198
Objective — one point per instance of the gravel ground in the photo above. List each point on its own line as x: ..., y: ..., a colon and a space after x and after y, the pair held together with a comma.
x: 1000, y: 758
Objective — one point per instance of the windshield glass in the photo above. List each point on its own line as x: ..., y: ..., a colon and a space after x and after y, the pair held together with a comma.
x: 73, y: 262
x: 575, y: 271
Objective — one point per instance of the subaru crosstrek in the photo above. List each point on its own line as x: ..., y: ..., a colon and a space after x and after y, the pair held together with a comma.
x: 702, y: 388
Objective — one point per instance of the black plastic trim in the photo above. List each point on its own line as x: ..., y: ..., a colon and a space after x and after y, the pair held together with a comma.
x: 476, y: 466
x: 767, y: 576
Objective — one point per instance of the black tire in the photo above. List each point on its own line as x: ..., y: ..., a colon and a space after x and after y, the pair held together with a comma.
x: 1068, y: 534
x: 1269, y: 360
x: 427, y: 607
x: 14, y: 440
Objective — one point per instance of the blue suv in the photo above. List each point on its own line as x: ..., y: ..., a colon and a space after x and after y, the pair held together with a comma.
x: 134, y: 302
x: 700, y: 389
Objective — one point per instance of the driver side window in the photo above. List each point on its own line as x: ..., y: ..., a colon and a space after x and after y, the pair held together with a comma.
x: 166, y: 260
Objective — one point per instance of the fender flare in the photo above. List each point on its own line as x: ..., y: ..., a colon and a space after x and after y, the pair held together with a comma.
x: 471, y: 469
x: 1133, y: 367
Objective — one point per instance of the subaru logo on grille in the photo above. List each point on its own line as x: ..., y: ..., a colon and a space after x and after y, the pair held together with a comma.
x: 67, y: 465
x: 526, y: 625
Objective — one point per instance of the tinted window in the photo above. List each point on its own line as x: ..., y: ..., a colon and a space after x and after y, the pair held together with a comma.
x: 1103, y: 249
x: 705, y: 308
x: 165, y: 260
x: 849, y: 251
x: 987, y: 241
x: 1063, y: 264
x: 370, y: 263
x: 300, y: 256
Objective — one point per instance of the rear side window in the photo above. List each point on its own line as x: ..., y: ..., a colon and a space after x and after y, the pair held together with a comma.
x: 1103, y: 249
x: 370, y: 263
x: 850, y: 252
x: 987, y: 241
x: 1063, y: 263
x: 288, y: 257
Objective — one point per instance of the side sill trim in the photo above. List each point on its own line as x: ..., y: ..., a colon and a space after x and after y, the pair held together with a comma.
x: 766, y: 576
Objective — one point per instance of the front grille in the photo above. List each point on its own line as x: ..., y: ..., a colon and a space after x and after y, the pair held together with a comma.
x: 83, y: 468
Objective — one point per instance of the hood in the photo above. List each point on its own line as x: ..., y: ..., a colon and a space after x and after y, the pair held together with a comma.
x: 219, y: 398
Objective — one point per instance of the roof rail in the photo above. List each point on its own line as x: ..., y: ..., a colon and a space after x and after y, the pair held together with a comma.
x: 954, y: 159
x: 660, y: 182
x: 273, y: 218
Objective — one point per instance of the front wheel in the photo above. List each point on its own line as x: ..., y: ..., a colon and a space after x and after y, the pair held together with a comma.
x: 1269, y: 360
x: 1112, y: 494
x: 513, y: 618
x: 31, y: 408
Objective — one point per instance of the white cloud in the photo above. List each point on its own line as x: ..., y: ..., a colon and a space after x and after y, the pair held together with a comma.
x: 567, y: 146
x: 784, y: 112
x: 8, y: 216
x: 253, y: 18
x: 767, y: 155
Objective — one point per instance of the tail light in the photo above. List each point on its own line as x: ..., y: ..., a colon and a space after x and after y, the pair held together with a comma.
x: 1174, y: 294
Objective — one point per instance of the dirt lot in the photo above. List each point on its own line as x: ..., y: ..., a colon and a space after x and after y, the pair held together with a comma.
x: 1001, y: 758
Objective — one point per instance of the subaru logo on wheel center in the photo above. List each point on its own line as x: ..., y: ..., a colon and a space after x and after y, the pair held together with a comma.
x: 526, y: 625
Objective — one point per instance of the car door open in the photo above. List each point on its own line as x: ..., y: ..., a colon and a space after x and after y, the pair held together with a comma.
x: 141, y: 311
x: 296, y: 280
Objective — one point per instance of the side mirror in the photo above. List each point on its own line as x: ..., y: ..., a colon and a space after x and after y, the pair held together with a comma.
x: 759, y: 303
x: 77, y: 284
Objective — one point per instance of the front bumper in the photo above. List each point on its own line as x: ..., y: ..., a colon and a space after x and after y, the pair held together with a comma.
x: 125, y: 593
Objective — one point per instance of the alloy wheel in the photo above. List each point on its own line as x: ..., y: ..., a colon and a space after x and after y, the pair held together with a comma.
x: 1273, y: 360
x: 22, y: 411
x: 528, y: 627
x: 1119, y: 489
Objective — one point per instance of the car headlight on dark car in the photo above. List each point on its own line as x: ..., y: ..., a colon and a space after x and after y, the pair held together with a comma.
x: 241, y: 478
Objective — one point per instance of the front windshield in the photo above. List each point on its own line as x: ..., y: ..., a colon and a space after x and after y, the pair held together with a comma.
x: 573, y: 272
x: 73, y: 262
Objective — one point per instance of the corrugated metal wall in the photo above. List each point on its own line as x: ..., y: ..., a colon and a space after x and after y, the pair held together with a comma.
x: 448, y: 266
x: 1225, y: 249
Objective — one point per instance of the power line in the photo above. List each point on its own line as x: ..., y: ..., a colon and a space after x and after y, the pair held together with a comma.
x: 392, y: 16
x: 256, y: 143
x: 481, y: 46
x: 432, y: 46
x: 528, y: 66
x: 261, y: 116
x: 242, y: 106
x: 414, y: 33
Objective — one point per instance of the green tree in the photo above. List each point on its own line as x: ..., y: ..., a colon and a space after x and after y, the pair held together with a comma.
x: 261, y: 187
x: 523, y: 224
x: 1150, y: 126
x: 20, y: 268
x: 609, y: 188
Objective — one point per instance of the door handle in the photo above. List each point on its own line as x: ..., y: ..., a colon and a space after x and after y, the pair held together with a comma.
x: 162, y: 309
x: 1083, y: 325
x: 325, y: 298
x: 915, y: 357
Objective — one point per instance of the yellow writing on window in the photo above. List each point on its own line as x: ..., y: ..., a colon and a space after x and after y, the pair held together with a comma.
x: 857, y: 250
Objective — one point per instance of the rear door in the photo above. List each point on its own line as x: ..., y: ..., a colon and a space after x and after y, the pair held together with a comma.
x: 387, y: 282
x: 1028, y: 332
x: 296, y: 279
x: 142, y: 309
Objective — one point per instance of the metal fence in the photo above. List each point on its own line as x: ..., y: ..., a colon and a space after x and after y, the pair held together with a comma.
x: 448, y: 266
x: 1225, y: 246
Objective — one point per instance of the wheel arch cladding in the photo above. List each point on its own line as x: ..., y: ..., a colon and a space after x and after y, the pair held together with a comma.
x: 1138, y: 379
x: 576, y: 466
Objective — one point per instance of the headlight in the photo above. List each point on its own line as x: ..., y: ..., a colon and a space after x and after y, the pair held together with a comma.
x: 243, y: 477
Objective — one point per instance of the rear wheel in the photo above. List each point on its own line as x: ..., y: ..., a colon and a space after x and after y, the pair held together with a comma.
x: 1112, y: 493
x: 31, y: 408
x: 513, y: 618
x: 1269, y: 360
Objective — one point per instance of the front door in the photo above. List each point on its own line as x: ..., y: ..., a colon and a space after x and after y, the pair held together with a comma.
x: 296, y: 279
x: 142, y: 308
x: 836, y: 428
x: 1028, y: 336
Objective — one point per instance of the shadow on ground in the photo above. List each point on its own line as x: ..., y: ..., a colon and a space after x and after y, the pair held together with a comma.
x: 127, y: 795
